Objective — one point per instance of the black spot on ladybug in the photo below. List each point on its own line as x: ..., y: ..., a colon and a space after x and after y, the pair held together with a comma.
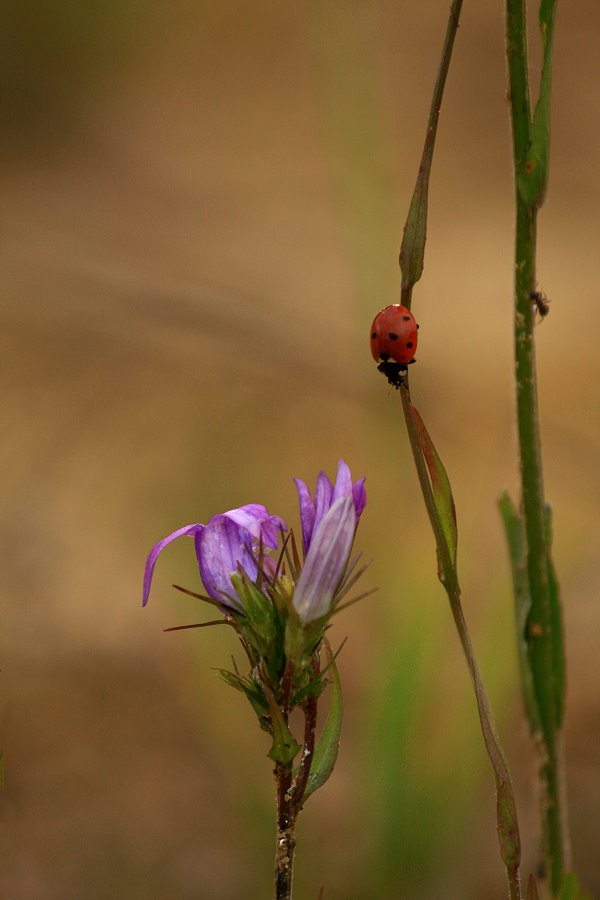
x: 392, y: 336
x: 384, y: 356
x: 409, y: 344
x: 374, y: 335
x: 406, y: 318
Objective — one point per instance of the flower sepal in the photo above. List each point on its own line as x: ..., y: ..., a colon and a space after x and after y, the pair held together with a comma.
x: 255, y: 694
x: 301, y: 640
x: 257, y: 612
x: 302, y: 643
x: 285, y: 747
x: 260, y: 627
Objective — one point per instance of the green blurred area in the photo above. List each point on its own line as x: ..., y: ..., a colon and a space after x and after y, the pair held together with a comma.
x: 202, y: 208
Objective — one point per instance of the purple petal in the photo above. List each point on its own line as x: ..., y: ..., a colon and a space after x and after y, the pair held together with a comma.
x: 221, y: 547
x: 255, y: 518
x: 323, y: 495
x: 307, y: 513
x: 153, y: 555
x: 249, y: 516
x: 326, y: 561
x: 359, y: 495
x: 271, y: 529
x: 343, y: 481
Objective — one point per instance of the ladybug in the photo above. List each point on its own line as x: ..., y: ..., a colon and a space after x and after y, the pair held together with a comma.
x: 394, y: 341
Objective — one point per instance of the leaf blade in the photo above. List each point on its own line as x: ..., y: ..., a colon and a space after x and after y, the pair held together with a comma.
x: 440, y: 486
x: 327, y: 748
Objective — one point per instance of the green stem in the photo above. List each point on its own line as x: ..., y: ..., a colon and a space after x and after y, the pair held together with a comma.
x: 530, y: 459
x: 539, y: 636
x: 543, y: 634
x: 518, y: 80
x: 507, y: 814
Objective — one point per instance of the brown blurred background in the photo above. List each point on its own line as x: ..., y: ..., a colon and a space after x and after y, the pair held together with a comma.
x: 202, y: 208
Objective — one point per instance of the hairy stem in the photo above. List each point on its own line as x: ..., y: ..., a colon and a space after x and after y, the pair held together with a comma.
x: 308, y: 750
x: 285, y: 845
x: 543, y: 630
x: 540, y: 626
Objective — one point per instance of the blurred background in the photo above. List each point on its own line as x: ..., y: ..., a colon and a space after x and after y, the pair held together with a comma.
x: 202, y: 208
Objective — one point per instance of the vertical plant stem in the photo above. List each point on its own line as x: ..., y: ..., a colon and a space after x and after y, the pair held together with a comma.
x: 540, y: 642
x: 285, y: 845
x: 528, y: 429
x: 543, y: 634
x: 290, y: 794
x: 530, y: 455
x: 509, y: 839
x: 308, y: 750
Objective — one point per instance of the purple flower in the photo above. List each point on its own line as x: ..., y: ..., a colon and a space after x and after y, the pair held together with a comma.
x: 313, y: 510
x: 229, y: 541
x: 326, y: 561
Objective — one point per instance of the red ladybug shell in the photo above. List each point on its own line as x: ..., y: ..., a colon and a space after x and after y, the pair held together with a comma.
x: 394, y: 335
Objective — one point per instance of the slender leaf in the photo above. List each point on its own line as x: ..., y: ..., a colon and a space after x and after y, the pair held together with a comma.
x: 517, y: 550
x: 415, y: 231
x: 440, y: 485
x: 285, y: 746
x: 327, y: 748
x: 532, y: 173
x: 412, y: 251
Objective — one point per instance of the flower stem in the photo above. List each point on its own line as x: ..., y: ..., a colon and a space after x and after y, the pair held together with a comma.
x: 285, y: 845
x: 290, y: 794
x: 308, y: 751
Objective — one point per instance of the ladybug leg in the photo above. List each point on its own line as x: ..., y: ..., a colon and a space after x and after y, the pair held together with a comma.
x: 393, y: 372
